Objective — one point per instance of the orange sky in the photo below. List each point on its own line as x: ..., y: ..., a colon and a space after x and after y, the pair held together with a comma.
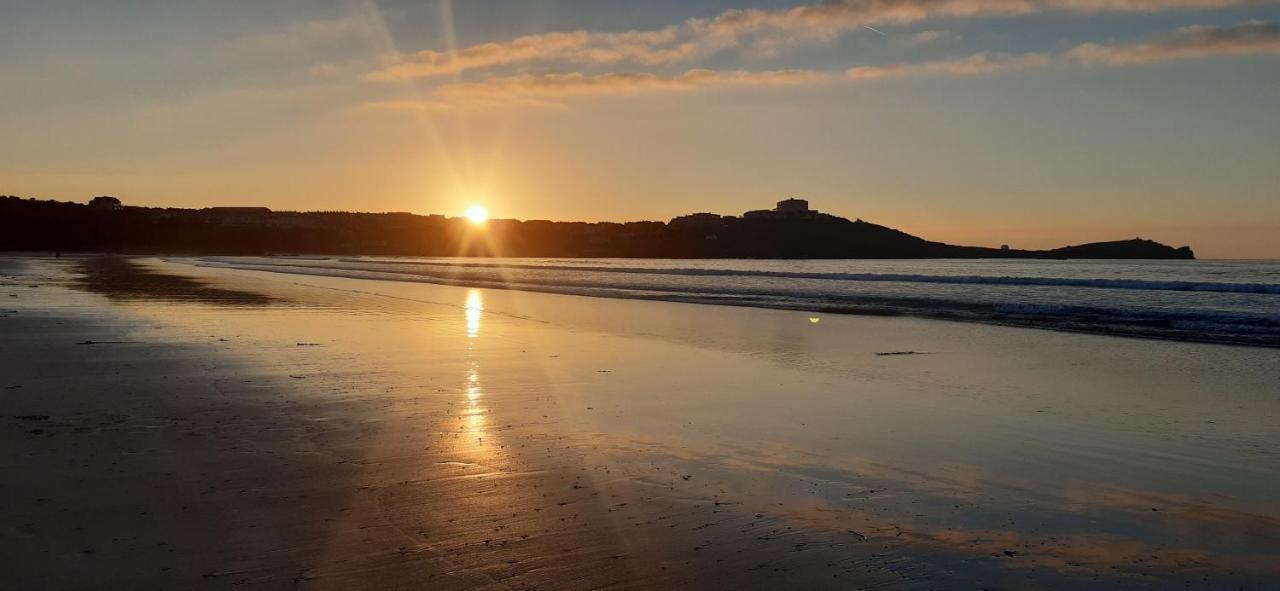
x: 1033, y: 123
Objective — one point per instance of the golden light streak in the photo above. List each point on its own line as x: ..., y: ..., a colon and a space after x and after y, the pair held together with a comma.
x: 474, y: 311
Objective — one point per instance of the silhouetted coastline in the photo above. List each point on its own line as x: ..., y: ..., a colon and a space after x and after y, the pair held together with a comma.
x: 789, y: 231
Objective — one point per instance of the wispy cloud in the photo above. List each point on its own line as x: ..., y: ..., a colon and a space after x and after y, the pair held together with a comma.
x: 930, y: 36
x: 973, y: 65
x: 546, y: 89
x: 759, y: 30
x: 1254, y: 38
x: 1148, y: 5
x: 1186, y: 43
x: 643, y: 47
x: 826, y: 20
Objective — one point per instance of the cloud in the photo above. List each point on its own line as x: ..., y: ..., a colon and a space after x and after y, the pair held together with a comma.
x: 931, y: 36
x: 644, y: 47
x: 1186, y: 43
x: 764, y: 31
x: 554, y: 86
x: 761, y: 31
x: 1253, y: 38
x: 976, y: 64
x: 829, y: 19
x: 545, y: 89
x: 533, y: 47
x: 1148, y: 5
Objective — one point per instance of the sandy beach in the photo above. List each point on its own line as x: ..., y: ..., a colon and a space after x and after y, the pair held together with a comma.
x: 167, y: 425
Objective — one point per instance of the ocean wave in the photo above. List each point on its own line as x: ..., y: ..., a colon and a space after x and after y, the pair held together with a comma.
x: 1098, y: 283
x: 1162, y: 321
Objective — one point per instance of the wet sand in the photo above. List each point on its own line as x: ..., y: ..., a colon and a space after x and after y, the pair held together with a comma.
x: 170, y: 426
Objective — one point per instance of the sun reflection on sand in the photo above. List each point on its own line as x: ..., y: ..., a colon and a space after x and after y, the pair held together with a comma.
x: 473, y: 384
x: 474, y: 414
x: 475, y: 309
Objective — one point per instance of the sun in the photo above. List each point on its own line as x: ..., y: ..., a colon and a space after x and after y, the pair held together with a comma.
x: 477, y: 214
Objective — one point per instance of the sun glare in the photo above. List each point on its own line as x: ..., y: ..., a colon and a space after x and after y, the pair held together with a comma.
x: 477, y: 214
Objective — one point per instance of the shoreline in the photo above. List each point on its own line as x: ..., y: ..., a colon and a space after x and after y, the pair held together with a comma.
x: 478, y: 438
x: 942, y: 310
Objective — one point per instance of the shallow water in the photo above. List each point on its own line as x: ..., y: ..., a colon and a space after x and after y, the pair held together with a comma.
x: 1214, y: 301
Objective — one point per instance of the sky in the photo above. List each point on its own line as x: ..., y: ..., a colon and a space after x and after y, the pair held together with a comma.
x: 1034, y: 123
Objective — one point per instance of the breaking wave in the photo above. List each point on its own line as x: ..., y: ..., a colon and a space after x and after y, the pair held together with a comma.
x: 1194, y: 309
x: 1205, y: 286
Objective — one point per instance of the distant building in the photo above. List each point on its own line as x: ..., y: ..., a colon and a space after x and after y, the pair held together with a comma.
x: 792, y: 206
x: 1004, y: 247
x: 105, y: 202
x: 787, y: 208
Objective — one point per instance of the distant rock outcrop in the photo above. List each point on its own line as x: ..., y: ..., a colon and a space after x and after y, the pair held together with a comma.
x: 1124, y: 249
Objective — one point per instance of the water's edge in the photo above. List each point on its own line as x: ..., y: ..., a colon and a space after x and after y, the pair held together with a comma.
x: 762, y: 289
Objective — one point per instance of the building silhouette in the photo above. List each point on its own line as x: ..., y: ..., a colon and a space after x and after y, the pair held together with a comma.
x: 786, y: 209
x: 792, y: 206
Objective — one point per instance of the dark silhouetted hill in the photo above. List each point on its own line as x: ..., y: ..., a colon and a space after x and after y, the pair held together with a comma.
x: 1124, y: 249
x: 790, y: 231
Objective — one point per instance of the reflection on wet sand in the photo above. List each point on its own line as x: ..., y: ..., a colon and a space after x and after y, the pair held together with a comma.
x: 884, y: 481
x: 124, y: 278
x: 992, y: 523
x: 475, y: 310
x: 475, y: 411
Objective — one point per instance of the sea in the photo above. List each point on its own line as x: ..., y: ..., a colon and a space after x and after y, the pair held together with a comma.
x: 1218, y: 301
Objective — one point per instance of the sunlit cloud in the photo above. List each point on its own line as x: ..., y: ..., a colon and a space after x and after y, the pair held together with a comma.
x: 577, y: 84
x: 976, y: 64
x: 546, y: 89
x: 1252, y: 38
x: 644, y: 47
x: 764, y: 31
x: 759, y: 31
x: 521, y: 49
x: 827, y: 20
x: 1148, y: 5
x: 930, y: 36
